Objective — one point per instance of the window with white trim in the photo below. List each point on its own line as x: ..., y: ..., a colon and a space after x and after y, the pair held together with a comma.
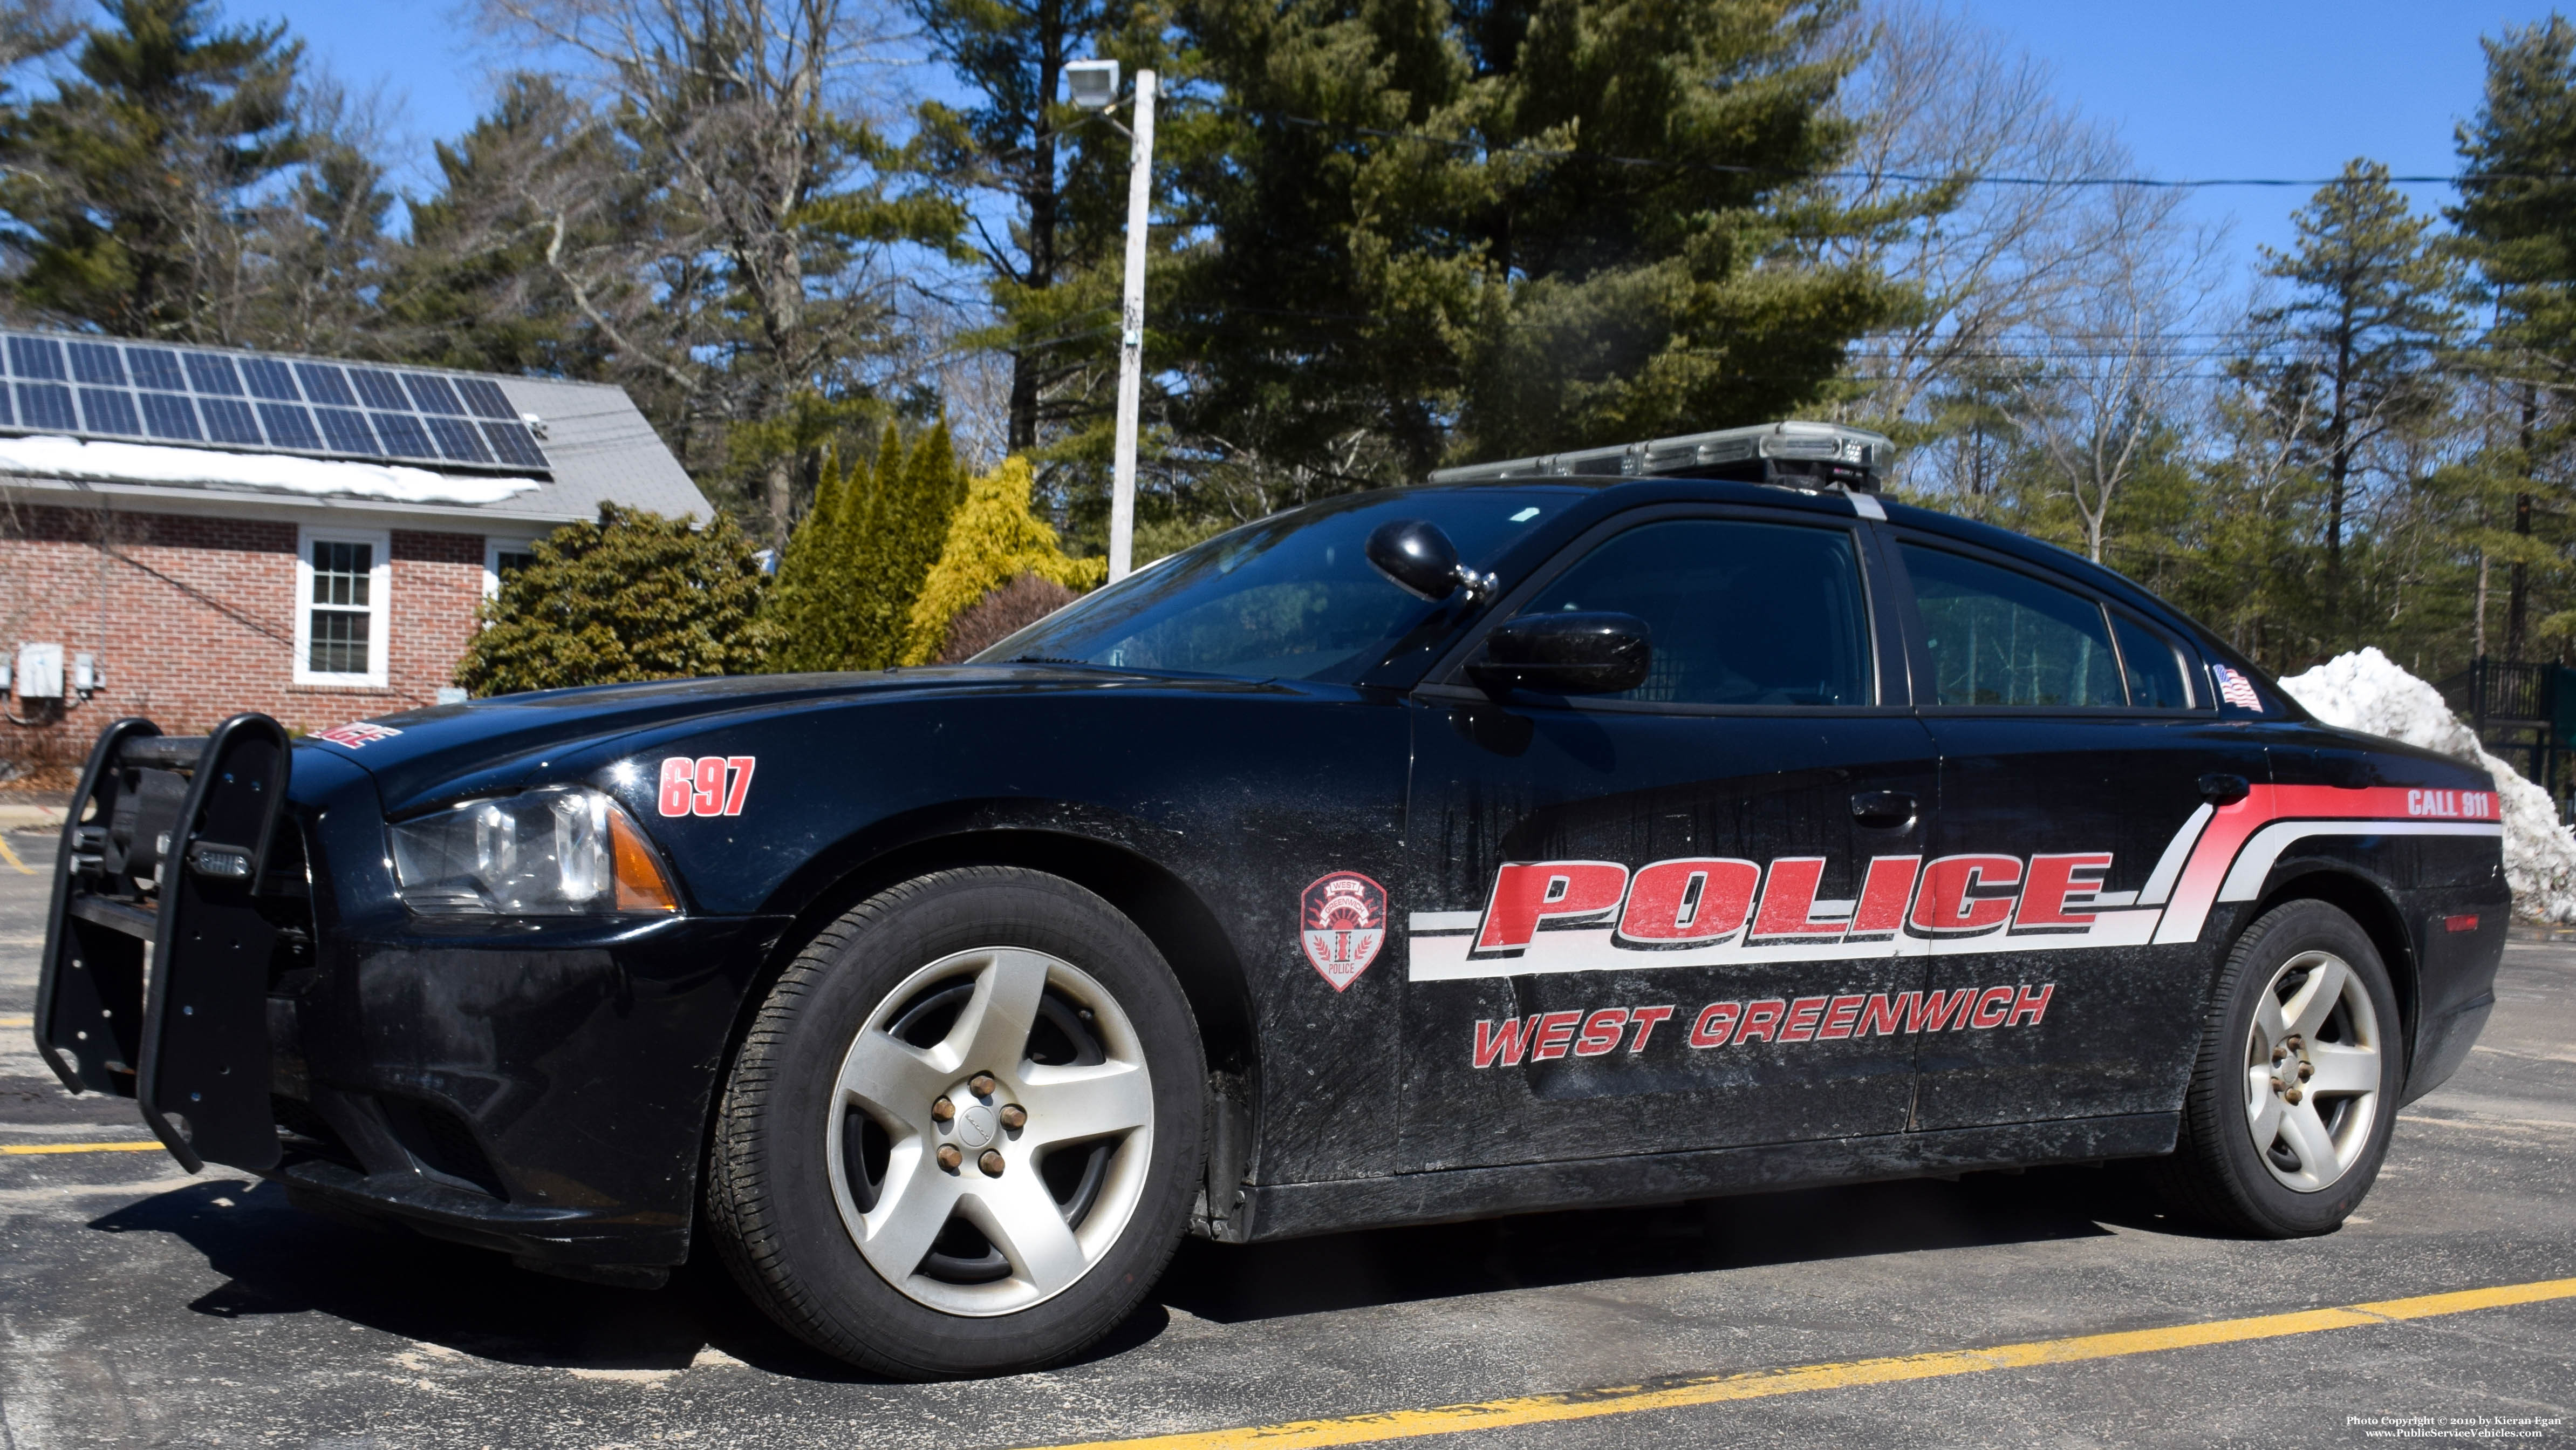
x: 342, y: 582
x: 501, y: 559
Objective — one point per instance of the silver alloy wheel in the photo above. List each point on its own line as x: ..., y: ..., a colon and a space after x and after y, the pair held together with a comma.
x: 2312, y: 1071
x: 1108, y: 1105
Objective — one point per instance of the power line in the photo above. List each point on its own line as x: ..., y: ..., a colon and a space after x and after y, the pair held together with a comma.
x: 1545, y: 153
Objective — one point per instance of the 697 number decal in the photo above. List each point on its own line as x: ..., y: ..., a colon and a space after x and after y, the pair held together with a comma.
x: 709, y: 785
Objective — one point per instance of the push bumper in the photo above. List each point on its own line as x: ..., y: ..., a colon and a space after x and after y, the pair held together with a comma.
x: 170, y: 844
x: 537, y: 1088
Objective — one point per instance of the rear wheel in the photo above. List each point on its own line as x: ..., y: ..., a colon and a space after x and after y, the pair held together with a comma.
x: 963, y: 1134
x: 2293, y: 1097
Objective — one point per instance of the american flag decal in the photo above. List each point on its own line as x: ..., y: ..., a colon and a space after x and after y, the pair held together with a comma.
x: 2237, y: 690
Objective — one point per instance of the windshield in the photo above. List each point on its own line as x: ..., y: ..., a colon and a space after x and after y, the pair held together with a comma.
x: 1292, y: 596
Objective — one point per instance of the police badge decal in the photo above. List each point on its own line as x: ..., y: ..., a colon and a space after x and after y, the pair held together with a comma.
x: 1344, y: 923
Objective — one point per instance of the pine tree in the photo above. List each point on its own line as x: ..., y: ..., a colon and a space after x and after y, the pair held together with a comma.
x: 916, y: 523
x: 875, y: 587
x: 2373, y: 314
x: 993, y: 540
x: 1017, y: 142
x: 473, y: 290
x: 322, y: 244
x: 1481, y: 229
x: 631, y: 596
x: 854, y: 566
x: 2517, y: 225
x: 808, y: 606
x: 126, y: 189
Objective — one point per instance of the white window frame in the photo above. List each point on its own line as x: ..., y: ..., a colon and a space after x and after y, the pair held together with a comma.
x: 493, y: 549
x: 380, y: 584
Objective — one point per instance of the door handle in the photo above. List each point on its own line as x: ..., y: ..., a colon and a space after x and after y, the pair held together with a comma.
x: 2221, y: 789
x: 1883, y: 810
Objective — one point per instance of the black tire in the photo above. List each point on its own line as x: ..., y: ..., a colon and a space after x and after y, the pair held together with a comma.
x: 2217, y: 1174
x: 770, y: 1193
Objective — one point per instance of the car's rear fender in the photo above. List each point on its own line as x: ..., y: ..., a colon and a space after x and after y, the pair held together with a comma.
x: 2440, y: 943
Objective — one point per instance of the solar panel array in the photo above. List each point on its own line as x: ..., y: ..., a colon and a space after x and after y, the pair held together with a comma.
x: 147, y: 393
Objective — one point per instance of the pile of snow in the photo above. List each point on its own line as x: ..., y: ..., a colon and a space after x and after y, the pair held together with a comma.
x: 70, y: 458
x: 2367, y: 691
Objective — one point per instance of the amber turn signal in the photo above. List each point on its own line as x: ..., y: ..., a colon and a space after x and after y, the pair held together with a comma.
x: 641, y: 886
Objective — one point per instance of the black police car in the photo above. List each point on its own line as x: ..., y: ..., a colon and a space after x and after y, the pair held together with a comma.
x: 1627, y: 826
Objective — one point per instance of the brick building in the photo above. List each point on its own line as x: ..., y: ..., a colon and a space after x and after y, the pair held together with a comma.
x: 191, y: 532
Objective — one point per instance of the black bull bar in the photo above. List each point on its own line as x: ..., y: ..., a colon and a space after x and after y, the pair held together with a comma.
x: 157, y: 950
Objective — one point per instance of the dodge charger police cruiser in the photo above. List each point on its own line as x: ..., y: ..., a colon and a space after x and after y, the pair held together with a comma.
x: 1614, y: 827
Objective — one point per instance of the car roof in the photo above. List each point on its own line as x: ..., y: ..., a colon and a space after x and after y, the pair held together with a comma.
x: 1610, y: 494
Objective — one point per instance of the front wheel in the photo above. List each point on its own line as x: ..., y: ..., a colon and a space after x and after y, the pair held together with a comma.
x: 2294, y: 1093
x: 963, y: 1134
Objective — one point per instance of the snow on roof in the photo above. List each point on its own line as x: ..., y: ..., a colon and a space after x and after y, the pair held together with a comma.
x: 48, y: 456
x: 2370, y: 692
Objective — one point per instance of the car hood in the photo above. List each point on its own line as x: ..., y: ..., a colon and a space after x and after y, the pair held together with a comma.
x: 418, y: 750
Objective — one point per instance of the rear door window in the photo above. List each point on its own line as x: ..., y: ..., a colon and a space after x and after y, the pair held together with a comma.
x: 1999, y: 637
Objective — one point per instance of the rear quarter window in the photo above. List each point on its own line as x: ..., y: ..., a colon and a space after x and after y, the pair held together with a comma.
x: 2151, y: 667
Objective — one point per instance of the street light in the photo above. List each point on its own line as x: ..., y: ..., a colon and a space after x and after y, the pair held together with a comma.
x: 1094, y: 85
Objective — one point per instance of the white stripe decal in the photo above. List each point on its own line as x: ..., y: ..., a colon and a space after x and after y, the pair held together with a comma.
x: 1445, y: 959
x: 2255, y: 859
x: 2160, y: 882
x: 1445, y: 920
x: 2253, y: 864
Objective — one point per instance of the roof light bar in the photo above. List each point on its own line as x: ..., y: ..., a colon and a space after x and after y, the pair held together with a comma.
x: 1797, y: 454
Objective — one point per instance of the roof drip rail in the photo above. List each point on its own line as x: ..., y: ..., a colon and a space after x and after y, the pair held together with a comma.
x: 1791, y: 454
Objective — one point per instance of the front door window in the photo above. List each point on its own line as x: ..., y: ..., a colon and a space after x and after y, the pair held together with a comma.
x: 1741, y: 613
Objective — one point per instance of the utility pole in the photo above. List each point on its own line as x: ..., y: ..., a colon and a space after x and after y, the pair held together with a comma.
x: 1131, y: 336
x: 1094, y: 84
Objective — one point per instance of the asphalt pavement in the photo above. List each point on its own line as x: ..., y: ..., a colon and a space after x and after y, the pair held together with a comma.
x: 142, y: 1306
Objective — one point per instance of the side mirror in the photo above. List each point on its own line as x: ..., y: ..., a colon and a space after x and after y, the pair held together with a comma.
x: 1589, y: 653
x: 1421, y: 560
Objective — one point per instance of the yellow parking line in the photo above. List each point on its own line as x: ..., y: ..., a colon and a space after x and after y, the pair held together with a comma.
x: 1762, y: 1384
x: 17, y: 1021
x: 77, y: 1147
x: 12, y: 857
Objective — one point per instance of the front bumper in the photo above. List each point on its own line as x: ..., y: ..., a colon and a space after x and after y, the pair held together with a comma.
x: 545, y: 1092
x: 538, y: 1088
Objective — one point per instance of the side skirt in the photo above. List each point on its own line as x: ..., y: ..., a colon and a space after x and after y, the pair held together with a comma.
x: 1293, y: 1210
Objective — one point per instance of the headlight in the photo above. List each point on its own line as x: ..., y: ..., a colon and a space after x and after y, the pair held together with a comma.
x: 565, y: 850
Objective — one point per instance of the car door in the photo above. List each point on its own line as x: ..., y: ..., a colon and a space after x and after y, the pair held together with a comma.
x: 2081, y: 758
x: 1653, y: 921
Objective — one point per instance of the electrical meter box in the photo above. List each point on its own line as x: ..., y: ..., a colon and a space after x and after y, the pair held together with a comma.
x: 40, y: 672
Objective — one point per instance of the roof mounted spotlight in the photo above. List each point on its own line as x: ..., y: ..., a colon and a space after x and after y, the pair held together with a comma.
x: 1093, y: 83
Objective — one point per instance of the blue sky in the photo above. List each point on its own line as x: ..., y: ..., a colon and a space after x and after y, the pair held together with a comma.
x: 424, y: 56
x: 2196, y: 88
x: 2291, y: 88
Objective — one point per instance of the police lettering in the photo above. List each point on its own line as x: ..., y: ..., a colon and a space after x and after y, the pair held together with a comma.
x: 1706, y: 901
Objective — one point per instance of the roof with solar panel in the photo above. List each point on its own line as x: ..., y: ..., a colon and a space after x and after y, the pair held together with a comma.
x: 153, y: 416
